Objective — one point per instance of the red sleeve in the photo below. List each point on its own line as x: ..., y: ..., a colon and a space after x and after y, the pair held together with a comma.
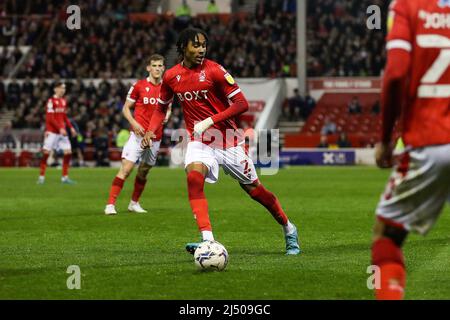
x: 164, y: 100
x: 398, y: 22
x: 133, y: 93
x: 398, y: 48
x: 239, y: 105
x: 225, y: 83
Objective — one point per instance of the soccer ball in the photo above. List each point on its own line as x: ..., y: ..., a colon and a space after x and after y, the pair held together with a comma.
x: 211, y: 255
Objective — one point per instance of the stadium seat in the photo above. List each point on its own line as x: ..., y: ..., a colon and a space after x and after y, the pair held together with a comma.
x: 7, y: 158
x: 115, y: 154
x: 25, y: 159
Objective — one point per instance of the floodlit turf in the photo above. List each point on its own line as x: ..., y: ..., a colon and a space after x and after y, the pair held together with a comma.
x: 46, y: 228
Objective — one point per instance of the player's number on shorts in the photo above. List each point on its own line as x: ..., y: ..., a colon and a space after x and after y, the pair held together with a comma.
x: 429, y: 87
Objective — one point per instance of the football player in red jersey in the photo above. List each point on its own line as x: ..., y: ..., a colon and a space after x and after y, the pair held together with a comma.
x: 56, y: 137
x: 416, y: 91
x: 143, y: 97
x: 211, y: 100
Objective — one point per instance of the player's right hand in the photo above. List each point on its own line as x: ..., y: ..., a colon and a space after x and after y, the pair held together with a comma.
x: 138, y: 129
x: 383, y: 155
x: 63, y: 131
x: 147, y: 140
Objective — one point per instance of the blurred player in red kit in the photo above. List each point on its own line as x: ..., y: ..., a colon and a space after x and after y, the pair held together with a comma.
x: 211, y: 99
x: 143, y: 97
x: 416, y: 90
x: 56, y: 138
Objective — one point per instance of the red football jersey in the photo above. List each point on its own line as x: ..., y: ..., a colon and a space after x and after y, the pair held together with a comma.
x: 56, y: 115
x: 202, y: 91
x: 422, y: 28
x: 145, y: 95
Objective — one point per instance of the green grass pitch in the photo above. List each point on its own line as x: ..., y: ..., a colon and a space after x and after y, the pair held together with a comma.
x: 44, y: 229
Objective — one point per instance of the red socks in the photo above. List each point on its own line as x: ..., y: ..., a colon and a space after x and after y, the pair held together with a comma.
x: 66, y: 163
x: 116, y: 187
x: 199, y: 205
x: 270, y: 201
x: 139, y: 185
x: 389, y: 258
x: 65, y: 168
x: 43, y: 164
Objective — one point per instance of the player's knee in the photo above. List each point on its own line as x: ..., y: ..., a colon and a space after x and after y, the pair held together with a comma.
x: 143, y: 171
x: 249, y: 188
x: 196, y: 182
x: 124, y: 172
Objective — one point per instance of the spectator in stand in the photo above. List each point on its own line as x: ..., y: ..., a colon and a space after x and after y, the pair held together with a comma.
x: 101, y: 145
x: 122, y: 137
x: 309, y: 104
x: 343, y: 141
x: 13, y: 94
x: 354, y: 107
x: 329, y: 127
x: 339, y: 43
x: 183, y: 16
x: 323, y: 142
x: 296, y: 105
x: 212, y: 7
x: 376, y: 108
x: 7, y: 138
x: 77, y: 143
x: 9, y: 33
x: 289, y: 6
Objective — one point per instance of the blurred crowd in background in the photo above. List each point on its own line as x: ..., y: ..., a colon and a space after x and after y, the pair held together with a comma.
x: 260, y: 44
x: 111, y: 46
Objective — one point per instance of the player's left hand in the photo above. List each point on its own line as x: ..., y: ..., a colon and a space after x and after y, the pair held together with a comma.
x: 73, y: 132
x: 147, y: 140
x: 202, y: 126
x: 383, y: 155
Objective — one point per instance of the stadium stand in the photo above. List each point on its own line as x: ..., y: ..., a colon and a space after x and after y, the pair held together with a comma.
x: 37, y: 48
x: 339, y: 43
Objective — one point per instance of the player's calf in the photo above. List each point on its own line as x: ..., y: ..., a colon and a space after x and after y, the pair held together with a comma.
x: 260, y: 194
x: 388, y: 256
x: 199, y: 204
x: 117, y: 184
x: 65, y: 169
x: 43, y: 167
x: 139, y: 185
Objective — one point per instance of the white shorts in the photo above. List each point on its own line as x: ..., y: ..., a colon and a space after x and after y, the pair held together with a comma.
x: 133, y: 152
x: 234, y: 162
x: 417, y: 189
x: 54, y: 141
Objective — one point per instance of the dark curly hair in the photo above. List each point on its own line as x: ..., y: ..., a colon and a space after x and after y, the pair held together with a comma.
x: 187, y: 35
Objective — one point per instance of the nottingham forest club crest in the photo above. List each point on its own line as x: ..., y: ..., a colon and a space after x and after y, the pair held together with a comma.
x: 202, y: 76
x: 444, y: 3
